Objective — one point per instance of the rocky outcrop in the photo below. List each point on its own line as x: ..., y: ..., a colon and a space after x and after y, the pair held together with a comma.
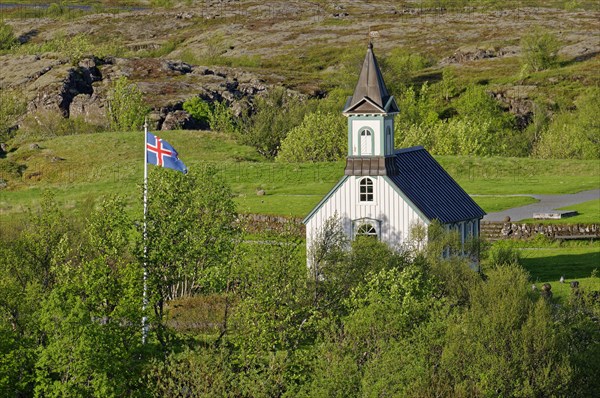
x: 516, y: 100
x: 474, y: 54
x: 179, y: 120
x: 90, y: 108
x: 59, y: 93
x: 81, y: 91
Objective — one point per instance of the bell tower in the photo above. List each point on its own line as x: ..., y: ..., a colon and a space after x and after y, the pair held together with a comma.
x: 370, y: 112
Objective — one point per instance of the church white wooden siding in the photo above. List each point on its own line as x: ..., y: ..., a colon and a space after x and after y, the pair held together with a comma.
x: 396, y: 216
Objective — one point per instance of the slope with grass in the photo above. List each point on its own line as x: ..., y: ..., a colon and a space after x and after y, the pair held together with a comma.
x: 81, y: 168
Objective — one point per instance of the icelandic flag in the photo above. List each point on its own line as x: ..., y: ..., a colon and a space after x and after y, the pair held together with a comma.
x: 162, y: 154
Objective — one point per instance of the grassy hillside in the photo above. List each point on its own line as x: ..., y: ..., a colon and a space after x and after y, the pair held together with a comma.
x: 81, y: 168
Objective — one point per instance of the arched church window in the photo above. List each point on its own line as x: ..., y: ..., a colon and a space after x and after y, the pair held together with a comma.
x: 366, y: 142
x: 366, y: 230
x: 366, y: 190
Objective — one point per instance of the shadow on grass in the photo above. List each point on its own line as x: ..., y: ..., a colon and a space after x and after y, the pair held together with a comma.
x: 579, y: 58
x: 552, y: 267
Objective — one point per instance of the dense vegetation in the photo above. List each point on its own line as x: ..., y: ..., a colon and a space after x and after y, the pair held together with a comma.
x: 234, y: 315
x: 231, y: 313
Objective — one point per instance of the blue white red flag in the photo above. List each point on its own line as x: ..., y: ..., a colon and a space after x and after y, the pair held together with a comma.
x: 161, y: 153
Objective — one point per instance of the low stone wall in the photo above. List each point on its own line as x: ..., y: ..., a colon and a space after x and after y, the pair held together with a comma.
x: 493, y: 230
x: 490, y: 230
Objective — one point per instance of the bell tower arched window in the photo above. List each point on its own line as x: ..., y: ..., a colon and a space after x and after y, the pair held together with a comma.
x: 365, y: 190
x: 366, y: 142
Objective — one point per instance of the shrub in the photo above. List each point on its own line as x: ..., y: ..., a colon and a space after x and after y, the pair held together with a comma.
x: 12, y: 106
x: 539, y: 49
x: 503, y: 253
x: 56, y: 10
x: 215, y: 115
x: 198, y: 109
x: 7, y: 37
x: 221, y: 118
x: 574, y: 135
x: 401, y: 66
x: 126, y: 107
x: 319, y: 138
x: 9, y: 169
x: 275, y: 115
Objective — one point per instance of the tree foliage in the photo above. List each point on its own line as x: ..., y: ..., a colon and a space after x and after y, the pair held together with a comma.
x: 274, y: 116
x: 539, y: 49
x: 12, y: 106
x: 126, y: 107
x: 215, y: 115
x: 363, y: 321
x: 190, y: 235
x: 7, y: 37
x: 319, y: 138
x: 479, y: 125
x: 574, y: 135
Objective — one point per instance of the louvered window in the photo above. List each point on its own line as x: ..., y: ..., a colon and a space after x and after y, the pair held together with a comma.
x: 366, y: 142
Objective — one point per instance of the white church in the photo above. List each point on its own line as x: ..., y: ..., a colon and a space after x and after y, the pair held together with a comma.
x: 386, y: 191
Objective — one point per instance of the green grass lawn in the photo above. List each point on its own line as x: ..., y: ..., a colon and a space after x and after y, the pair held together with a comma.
x: 498, y: 203
x: 94, y: 165
x: 588, y: 213
x: 548, y: 264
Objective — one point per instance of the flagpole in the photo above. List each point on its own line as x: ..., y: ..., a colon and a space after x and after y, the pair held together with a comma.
x: 145, y: 236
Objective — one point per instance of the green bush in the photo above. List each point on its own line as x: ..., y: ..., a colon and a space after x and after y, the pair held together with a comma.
x: 56, y: 10
x: 222, y: 119
x: 539, y: 49
x: 126, y: 106
x: 503, y: 253
x: 7, y: 37
x: 320, y: 138
x: 401, y: 67
x: 9, y: 169
x: 574, y: 135
x: 12, y: 106
x: 198, y: 109
x: 217, y: 115
x: 275, y: 115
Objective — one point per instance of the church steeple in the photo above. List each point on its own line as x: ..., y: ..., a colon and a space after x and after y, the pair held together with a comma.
x: 370, y: 112
x: 370, y: 95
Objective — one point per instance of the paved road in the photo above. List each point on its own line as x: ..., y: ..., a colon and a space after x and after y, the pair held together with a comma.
x: 546, y: 203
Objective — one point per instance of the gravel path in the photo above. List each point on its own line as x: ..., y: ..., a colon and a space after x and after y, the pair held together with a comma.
x: 546, y: 203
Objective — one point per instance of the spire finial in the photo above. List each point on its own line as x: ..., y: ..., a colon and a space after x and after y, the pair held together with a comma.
x: 372, y: 34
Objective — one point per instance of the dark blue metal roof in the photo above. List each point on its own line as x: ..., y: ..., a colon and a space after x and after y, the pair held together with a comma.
x: 429, y: 187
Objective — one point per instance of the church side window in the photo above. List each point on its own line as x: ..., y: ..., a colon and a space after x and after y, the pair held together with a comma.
x: 366, y: 230
x: 366, y: 190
